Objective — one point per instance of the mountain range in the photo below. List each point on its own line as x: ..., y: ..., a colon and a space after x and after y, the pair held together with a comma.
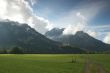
x: 22, y: 35
x: 80, y: 39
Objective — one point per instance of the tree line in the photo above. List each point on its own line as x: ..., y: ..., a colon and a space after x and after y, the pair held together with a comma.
x: 14, y: 50
x: 18, y: 50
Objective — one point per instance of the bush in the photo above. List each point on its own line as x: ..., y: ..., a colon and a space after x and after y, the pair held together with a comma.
x: 3, y: 51
x: 16, y: 50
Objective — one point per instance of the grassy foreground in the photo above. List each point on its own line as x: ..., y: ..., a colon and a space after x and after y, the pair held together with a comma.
x: 40, y: 63
x: 102, y: 59
x: 49, y: 63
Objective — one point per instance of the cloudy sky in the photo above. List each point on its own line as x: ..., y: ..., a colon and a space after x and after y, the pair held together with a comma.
x: 91, y: 16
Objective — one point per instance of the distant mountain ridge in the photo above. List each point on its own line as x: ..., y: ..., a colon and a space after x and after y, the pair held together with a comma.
x: 31, y: 41
x: 15, y: 34
x: 80, y: 39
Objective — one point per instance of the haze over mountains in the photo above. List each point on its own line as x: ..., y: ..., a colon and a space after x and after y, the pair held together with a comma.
x: 80, y: 39
x: 21, y: 35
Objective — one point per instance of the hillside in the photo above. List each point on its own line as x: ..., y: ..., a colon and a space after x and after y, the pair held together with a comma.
x: 80, y: 39
x: 21, y: 35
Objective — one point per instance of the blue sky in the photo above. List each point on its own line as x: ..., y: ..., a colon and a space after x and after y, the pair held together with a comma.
x: 53, y: 10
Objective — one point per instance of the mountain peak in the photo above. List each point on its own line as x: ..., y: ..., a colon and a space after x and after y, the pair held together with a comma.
x: 22, y: 35
x: 81, y: 33
x: 83, y: 40
x: 30, y: 40
x: 55, y: 32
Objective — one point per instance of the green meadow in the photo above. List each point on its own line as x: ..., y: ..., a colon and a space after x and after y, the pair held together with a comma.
x: 102, y: 59
x: 50, y: 63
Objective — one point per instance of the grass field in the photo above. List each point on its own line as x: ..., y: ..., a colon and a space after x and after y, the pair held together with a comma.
x: 50, y: 63
x: 102, y: 59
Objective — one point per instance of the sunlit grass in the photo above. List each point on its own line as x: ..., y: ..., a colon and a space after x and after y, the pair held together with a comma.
x: 51, y: 63
x: 45, y: 63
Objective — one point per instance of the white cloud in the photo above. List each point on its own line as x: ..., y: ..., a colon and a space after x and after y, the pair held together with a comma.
x: 70, y: 29
x: 33, y: 1
x: 80, y: 26
x: 92, y: 33
x: 21, y: 11
x: 107, y: 38
x: 78, y: 18
x: 82, y: 12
